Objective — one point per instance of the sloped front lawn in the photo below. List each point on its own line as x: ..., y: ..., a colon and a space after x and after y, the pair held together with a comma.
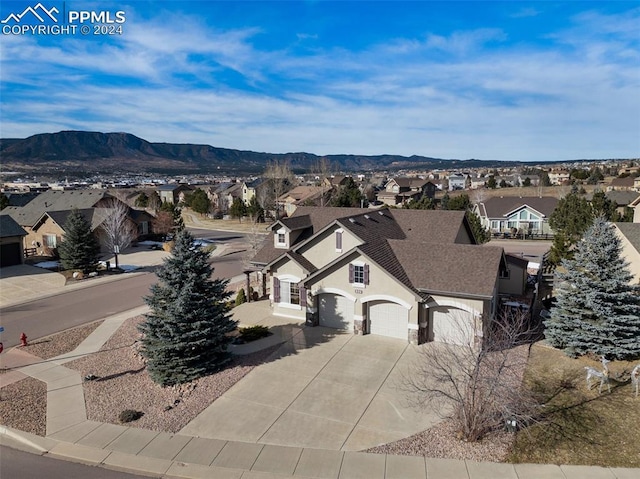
x: 581, y: 426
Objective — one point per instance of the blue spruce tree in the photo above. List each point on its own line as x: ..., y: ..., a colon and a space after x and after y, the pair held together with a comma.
x: 185, y: 334
x: 598, y: 309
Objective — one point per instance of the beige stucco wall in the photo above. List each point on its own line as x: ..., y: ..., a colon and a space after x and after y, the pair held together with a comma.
x: 287, y: 267
x: 48, y: 227
x: 381, y: 287
x: 323, y: 249
x: 631, y: 255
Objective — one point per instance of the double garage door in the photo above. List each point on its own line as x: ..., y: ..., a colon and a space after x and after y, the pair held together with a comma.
x: 388, y: 319
x: 335, y: 311
x: 10, y: 254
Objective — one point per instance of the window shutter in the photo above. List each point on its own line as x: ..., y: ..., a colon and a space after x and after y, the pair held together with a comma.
x: 366, y: 274
x: 351, y: 275
x: 303, y: 296
x: 338, y: 240
x: 276, y: 290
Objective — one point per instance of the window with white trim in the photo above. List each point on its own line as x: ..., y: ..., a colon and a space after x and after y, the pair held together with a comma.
x: 282, y: 239
x: 289, y: 292
x: 50, y: 241
x: 359, y: 274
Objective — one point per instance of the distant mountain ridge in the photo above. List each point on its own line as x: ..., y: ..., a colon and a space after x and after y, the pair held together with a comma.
x: 124, y: 152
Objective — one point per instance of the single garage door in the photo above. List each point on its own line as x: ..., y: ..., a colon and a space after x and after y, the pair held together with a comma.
x: 451, y: 326
x: 10, y: 254
x: 336, y: 311
x: 388, y: 319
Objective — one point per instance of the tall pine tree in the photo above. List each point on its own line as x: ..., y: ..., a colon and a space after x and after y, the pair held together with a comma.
x: 598, y: 309
x: 79, y: 248
x: 185, y: 334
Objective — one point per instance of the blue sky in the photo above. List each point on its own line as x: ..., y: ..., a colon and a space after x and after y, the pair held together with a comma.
x: 532, y: 81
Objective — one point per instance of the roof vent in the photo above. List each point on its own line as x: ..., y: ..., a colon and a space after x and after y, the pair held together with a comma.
x: 367, y: 217
x: 353, y: 220
x: 381, y: 213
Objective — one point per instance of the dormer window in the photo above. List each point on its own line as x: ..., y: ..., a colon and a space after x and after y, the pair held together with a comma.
x: 280, y: 238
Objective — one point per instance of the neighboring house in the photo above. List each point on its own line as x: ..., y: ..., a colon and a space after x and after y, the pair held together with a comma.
x: 629, y: 234
x: 534, y: 180
x: 252, y: 188
x: 622, y: 199
x: 559, y: 177
x: 635, y: 204
x: 43, y: 217
x: 622, y: 184
x: 398, y: 191
x: 459, y: 181
x: 304, y: 196
x: 222, y: 195
x: 173, y: 193
x: 11, y: 247
x: 415, y: 275
x: 529, y: 215
x: 478, y: 182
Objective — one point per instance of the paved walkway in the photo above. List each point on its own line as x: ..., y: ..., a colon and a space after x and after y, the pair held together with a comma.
x: 71, y: 436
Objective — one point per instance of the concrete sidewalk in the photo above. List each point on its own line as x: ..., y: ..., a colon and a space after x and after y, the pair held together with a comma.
x: 71, y: 436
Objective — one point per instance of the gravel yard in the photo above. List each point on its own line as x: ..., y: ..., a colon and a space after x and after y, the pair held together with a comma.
x: 122, y: 383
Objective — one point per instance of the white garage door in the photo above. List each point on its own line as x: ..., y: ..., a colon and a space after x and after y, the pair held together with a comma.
x: 335, y: 311
x: 452, y: 326
x: 388, y: 319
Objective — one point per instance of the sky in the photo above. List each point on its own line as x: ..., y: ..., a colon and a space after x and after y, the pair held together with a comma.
x: 509, y: 80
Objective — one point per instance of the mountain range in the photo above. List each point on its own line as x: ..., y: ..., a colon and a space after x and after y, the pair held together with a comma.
x: 83, y: 151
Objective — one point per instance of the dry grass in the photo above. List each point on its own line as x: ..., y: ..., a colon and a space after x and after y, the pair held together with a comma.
x: 580, y: 426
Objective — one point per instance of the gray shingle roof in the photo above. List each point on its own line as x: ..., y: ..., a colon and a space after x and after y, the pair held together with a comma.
x: 631, y: 231
x: 449, y: 268
x: 55, y: 201
x: 498, y: 207
x: 9, y: 227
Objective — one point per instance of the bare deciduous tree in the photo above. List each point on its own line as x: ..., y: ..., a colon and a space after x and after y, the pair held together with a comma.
x: 281, y: 177
x: 119, y: 231
x: 477, y: 384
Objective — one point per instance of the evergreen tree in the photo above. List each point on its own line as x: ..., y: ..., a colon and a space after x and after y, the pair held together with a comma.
x: 349, y: 195
x: 185, y: 334
x: 424, y: 203
x: 241, y: 297
x: 480, y: 233
x: 176, y: 213
x: 238, y: 209
x: 79, y: 248
x: 603, y: 206
x: 492, y: 183
x: 571, y: 218
x: 254, y: 210
x: 199, y: 201
x: 598, y: 309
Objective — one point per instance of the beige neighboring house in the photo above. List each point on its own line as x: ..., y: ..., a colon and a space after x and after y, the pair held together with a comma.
x: 173, y: 193
x: 629, y: 234
x: 622, y: 184
x: 528, y: 215
x: 398, y: 191
x: 304, y: 196
x: 414, y: 275
x: 43, y: 218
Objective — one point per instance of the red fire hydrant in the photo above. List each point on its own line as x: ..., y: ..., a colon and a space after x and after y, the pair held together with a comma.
x: 23, y: 339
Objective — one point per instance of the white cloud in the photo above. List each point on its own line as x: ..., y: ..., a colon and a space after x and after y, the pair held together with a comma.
x: 452, y: 96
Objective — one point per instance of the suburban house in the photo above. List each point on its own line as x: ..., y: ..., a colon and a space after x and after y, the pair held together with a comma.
x: 629, y: 234
x: 259, y: 187
x: 622, y: 184
x: 459, y: 181
x: 223, y: 194
x: 11, y: 248
x: 509, y: 214
x: 621, y: 198
x: 173, y: 193
x: 44, y: 217
x: 398, y: 191
x: 415, y: 275
x: 559, y: 177
x: 305, y: 196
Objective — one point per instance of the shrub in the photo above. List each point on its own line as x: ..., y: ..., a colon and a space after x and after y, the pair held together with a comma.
x: 241, y: 297
x: 129, y: 415
x: 253, y: 333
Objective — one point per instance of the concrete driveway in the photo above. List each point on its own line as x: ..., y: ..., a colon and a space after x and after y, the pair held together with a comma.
x: 322, y: 389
